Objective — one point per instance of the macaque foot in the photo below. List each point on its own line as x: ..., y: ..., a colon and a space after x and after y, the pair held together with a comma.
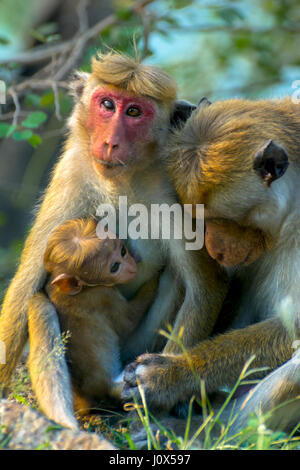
x: 160, y: 377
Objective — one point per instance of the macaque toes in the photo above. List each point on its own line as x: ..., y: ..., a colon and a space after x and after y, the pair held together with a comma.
x: 83, y: 272
x: 241, y: 160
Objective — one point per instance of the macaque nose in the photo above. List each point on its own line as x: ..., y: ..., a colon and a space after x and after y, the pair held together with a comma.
x: 110, y: 146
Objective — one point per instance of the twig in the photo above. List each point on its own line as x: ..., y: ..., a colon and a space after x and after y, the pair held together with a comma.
x: 145, y: 18
x: 73, y: 48
x: 56, y: 101
x: 15, y: 98
x: 7, y: 116
x: 38, y: 85
x: 41, y: 53
x: 82, y: 15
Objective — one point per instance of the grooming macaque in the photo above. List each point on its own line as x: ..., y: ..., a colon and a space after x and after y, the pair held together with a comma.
x: 118, y: 131
x: 83, y: 272
x: 241, y: 160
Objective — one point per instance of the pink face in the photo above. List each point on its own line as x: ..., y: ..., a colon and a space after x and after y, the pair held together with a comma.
x: 120, y: 126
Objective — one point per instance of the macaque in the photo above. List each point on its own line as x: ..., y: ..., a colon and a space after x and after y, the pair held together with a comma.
x: 241, y: 160
x: 83, y: 271
x: 123, y: 118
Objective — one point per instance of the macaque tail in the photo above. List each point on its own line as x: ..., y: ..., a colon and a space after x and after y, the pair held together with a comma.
x: 47, y: 365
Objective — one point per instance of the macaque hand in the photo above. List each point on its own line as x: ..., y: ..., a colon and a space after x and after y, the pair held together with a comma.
x: 159, y: 377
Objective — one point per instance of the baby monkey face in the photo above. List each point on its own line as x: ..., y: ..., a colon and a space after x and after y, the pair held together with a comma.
x: 121, y: 267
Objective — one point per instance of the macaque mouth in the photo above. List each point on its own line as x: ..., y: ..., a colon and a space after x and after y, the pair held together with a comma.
x: 110, y: 164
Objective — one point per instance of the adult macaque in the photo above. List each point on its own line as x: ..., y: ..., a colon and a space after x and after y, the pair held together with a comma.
x: 83, y: 272
x: 118, y: 130
x: 240, y: 159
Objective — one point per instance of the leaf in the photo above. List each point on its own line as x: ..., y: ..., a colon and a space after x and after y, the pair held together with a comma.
x: 21, y: 399
x: 230, y: 14
x: 48, y: 28
x: 178, y: 4
x: 3, y: 219
x: 11, y: 129
x: 54, y: 428
x: 4, y: 41
x: 32, y: 99
x: 53, y: 37
x: 34, y: 119
x: 4, y: 127
x: 47, y: 99
x: 23, y: 135
x: 37, y: 35
x: 123, y: 14
x: 35, y: 140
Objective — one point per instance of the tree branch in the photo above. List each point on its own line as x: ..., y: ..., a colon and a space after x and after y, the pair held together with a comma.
x: 42, y: 53
x: 64, y: 57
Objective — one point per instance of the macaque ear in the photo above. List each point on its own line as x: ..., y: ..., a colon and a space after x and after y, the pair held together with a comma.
x: 181, y: 112
x: 203, y: 103
x: 78, y: 83
x: 270, y: 162
x: 67, y: 284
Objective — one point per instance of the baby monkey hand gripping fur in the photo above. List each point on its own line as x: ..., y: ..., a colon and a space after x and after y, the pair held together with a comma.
x: 83, y: 270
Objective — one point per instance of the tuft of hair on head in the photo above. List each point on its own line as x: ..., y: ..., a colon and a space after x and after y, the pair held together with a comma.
x: 131, y: 76
x: 71, y: 244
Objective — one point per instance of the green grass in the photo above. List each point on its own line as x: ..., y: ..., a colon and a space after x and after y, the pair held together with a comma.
x: 212, y: 432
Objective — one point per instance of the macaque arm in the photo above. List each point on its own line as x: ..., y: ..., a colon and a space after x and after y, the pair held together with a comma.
x: 47, y: 365
x: 168, y: 379
x: 143, y: 299
x: 206, y: 286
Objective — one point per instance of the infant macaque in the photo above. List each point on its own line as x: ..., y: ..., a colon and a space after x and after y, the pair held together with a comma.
x: 83, y: 272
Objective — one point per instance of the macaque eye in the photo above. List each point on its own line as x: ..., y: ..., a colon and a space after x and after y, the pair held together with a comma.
x: 133, y: 111
x: 123, y: 251
x: 114, y: 268
x: 108, y: 105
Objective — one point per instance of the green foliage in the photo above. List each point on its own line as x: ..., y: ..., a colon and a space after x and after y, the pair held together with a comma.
x: 6, y: 129
x: 4, y: 41
x: 35, y: 119
x: 8, y: 260
x: 214, y: 431
x: 254, y: 54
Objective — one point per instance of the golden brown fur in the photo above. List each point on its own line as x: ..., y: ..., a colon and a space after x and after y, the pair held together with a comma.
x: 214, y: 160
x: 217, y: 145
x: 133, y: 77
x: 98, y: 318
x: 76, y: 190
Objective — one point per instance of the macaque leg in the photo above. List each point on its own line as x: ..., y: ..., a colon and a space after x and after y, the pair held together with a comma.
x: 168, y: 379
x: 13, y: 319
x: 279, y: 392
x: 47, y: 365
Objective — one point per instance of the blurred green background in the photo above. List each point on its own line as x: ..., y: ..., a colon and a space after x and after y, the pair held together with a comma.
x: 218, y: 49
